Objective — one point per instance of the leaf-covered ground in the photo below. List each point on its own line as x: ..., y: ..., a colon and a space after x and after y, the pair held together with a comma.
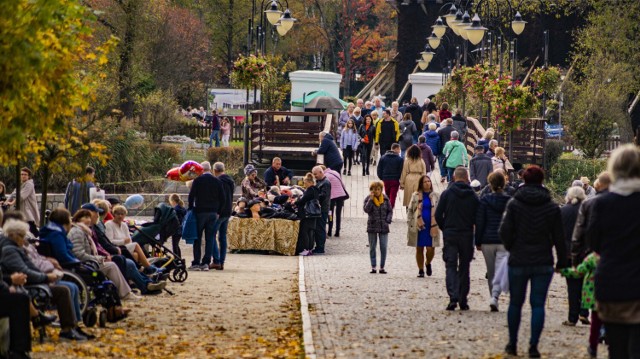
x: 249, y: 310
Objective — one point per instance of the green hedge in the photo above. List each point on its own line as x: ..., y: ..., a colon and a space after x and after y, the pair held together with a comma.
x: 231, y: 157
x: 566, y: 171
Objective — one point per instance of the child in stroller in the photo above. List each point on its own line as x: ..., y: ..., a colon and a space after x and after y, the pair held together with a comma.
x: 155, y: 234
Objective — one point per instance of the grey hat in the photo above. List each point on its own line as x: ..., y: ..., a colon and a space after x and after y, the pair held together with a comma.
x: 249, y: 169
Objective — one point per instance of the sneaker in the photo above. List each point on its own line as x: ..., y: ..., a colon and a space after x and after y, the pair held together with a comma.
x: 72, y: 335
x: 152, y: 287
x: 493, y: 304
x: 511, y: 349
x: 304, y: 253
x: 533, y: 352
x: 464, y: 307
x: 214, y: 266
x: 131, y: 296
x: 204, y: 267
x: 584, y: 320
x: 194, y: 268
x: 452, y: 306
x: 568, y: 323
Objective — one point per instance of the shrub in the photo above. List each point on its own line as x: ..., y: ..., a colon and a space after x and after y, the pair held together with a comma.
x: 231, y: 157
x: 566, y: 171
x: 552, y: 151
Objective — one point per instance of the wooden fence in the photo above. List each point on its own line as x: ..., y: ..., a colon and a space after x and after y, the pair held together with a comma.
x: 610, y: 144
x: 196, y: 130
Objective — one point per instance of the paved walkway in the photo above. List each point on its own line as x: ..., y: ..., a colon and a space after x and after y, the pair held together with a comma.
x: 355, y: 314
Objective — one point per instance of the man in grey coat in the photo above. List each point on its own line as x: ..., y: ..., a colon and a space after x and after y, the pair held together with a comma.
x: 480, y: 166
x: 323, y: 184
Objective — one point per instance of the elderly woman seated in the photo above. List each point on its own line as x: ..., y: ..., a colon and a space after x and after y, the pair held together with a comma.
x: 84, y: 248
x: 15, y: 260
x: 252, y: 184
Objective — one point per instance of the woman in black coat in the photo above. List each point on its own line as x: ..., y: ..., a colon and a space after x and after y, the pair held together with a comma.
x: 307, y: 222
x: 530, y: 228
x: 574, y: 198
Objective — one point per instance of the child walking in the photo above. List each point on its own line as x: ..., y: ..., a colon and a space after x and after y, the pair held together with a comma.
x: 378, y: 207
x: 178, y: 205
x: 586, y: 270
x: 225, y: 128
x: 348, y: 143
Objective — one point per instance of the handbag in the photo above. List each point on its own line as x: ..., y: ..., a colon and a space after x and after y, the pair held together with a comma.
x: 312, y: 209
x: 444, y: 162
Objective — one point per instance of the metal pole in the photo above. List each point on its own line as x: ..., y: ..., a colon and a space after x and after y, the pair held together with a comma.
x: 465, y: 52
x: 515, y: 60
x: 245, y: 132
x: 499, y: 50
x: 490, y: 39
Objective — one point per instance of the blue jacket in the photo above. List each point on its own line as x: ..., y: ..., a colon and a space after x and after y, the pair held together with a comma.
x: 433, y: 140
x: 330, y: 151
x: 61, y: 246
x: 349, y: 138
x: 270, y: 175
x: 390, y: 166
x: 484, y: 143
x: 488, y: 218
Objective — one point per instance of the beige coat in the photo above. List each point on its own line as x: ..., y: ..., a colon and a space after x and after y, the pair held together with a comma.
x: 28, y: 202
x: 410, y: 178
x: 413, y: 213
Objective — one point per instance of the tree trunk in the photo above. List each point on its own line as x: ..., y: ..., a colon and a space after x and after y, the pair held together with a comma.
x: 45, y: 191
x: 229, y: 41
x: 125, y: 72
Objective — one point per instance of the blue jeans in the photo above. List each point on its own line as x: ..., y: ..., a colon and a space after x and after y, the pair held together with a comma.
x: 450, y: 173
x: 443, y: 170
x: 75, y: 298
x: 207, y: 223
x: 321, y: 232
x: 373, y: 239
x: 215, y: 136
x: 132, y: 273
x: 221, y: 230
x: 519, y: 277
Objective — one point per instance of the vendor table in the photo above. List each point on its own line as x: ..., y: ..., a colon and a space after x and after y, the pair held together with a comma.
x: 272, y: 234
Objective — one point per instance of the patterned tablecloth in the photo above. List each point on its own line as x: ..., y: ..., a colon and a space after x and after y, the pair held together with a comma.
x: 278, y: 235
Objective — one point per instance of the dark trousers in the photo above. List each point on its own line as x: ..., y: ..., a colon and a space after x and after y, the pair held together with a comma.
x: 519, y: 278
x: 347, y: 155
x: 16, y: 307
x: 384, y: 147
x: 443, y: 169
x: 391, y: 188
x: 207, y: 224
x: 33, y: 228
x: 221, y: 233
x: 175, y: 243
x: 321, y: 232
x: 365, y: 152
x: 336, y: 214
x: 62, y: 301
x: 574, y: 291
x: 336, y: 167
x: 457, y: 254
x: 624, y: 340
x: 306, y: 234
x: 594, y: 331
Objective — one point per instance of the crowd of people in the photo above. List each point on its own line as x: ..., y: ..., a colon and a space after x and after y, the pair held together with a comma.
x: 220, y: 126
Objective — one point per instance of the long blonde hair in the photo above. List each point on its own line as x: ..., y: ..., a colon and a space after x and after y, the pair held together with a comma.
x: 175, y: 198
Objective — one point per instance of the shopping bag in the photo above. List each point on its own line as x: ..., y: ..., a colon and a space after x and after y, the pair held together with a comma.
x: 190, y: 227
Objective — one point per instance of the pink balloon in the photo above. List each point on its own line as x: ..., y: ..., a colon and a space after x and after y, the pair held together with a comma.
x: 173, y: 174
x: 190, y: 170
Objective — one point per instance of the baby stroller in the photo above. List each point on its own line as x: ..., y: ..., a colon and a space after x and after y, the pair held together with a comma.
x: 154, y: 235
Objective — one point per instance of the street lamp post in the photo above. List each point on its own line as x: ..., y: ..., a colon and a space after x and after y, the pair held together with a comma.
x: 277, y: 14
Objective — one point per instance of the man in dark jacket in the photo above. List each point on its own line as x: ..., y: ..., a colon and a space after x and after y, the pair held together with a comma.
x: 530, y: 228
x: 328, y: 148
x: 456, y: 216
x: 444, y: 132
x: 277, y: 174
x: 214, y: 122
x: 324, y: 187
x: 390, y: 171
x: 416, y: 114
x: 226, y: 204
x: 480, y: 166
x: 579, y: 246
x: 460, y: 124
x: 205, y: 197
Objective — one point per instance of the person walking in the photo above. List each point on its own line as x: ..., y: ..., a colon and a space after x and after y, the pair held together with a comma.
x: 380, y: 213
x: 304, y: 246
x: 455, y: 154
x: 226, y: 207
x: 574, y: 198
x: 28, y: 200
x: 433, y: 139
x: 613, y: 231
x: 415, y: 111
x: 413, y: 169
x: 488, y: 219
x: 427, y: 154
x: 338, y: 196
x: 456, y: 216
x: 205, y: 197
x: 480, y: 166
x: 460, y: 124
x: 348, y: 144
x: 367, y: 132
x: 78, y: 189
x: 445, y: 131
x: 444, y: 111
x: 324, y: 189
x: 358, y: 120
x: 389, y: 171
x: 225, y: 131
x: 407, y: 131
x: 375, y: 152
x: 530, y: 228
x: 423, y: 232
x: 387, y: 131
x: 214, y: 123
x: 328, y: 148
